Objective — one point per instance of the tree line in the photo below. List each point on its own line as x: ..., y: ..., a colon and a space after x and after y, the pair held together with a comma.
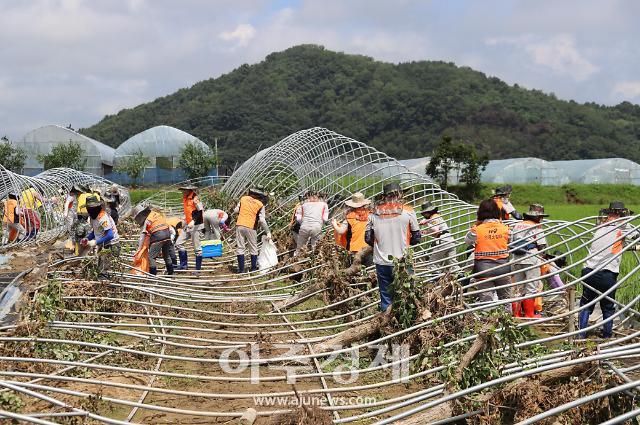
x: 402, y: 109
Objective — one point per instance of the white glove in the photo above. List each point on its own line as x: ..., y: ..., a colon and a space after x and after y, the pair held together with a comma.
x: 91, y: 243
x: 268, y: 235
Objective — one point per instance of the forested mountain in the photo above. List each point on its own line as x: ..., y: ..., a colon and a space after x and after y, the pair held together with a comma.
x: 401, y: 109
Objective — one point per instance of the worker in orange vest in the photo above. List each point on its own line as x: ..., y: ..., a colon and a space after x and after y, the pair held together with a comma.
x: 251, y: 212
x: 391, y: 229
x: 527, y: 240
x: 350, y: 232
x: 490, y: 240
x: 155, y: 226
x: 600, y: 272
x: 193, y: 223
x: 103, y: 236
x: 501, y: 198
x: 12, y: 230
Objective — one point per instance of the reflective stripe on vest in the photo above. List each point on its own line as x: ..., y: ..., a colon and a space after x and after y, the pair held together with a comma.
x: 249, y: 210
x: 157, y: 222
x: 492, y: 241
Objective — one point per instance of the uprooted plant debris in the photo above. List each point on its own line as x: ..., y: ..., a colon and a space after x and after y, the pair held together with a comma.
x: 304, y: 414
x: 480, y: 359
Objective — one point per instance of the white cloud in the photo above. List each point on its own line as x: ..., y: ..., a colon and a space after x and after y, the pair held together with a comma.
x: 558, y: 53
x: 241, y: 35
x: 627, y: 89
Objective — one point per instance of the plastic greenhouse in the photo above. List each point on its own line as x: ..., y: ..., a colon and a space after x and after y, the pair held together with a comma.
x: 605, y: 171
x: 41, y: 140
x: 161, y: 144
x: 524, y: 170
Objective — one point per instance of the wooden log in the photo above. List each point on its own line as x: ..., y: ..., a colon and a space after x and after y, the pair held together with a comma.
x: 445, y: 410
x: 357, y: 261
x: 357, y: 333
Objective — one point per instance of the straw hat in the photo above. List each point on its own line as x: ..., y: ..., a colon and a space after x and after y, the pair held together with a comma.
x: 357, y: 200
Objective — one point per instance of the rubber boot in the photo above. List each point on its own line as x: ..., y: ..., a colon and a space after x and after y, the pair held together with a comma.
x: 198, y: 262
x: 153, y: 270
x: 516, y: 308
x: 529, y: 308
x: 169, y: 266
x: 583, y: 321
x: 184, y: 260
x: 240, y: 263
x: 254, y: 263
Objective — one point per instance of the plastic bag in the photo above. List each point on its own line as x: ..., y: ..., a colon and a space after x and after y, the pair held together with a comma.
x: 268, y: 257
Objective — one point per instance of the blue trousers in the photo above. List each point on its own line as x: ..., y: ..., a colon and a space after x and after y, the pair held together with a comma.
x: 385, y: 278
x: 602, y: 281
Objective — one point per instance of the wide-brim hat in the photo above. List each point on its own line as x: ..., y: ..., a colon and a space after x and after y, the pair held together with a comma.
x: 429, y: 207
x: 616, y: 205
x: 188, y: 187
x: 503, y: 190
x: 391, y: 188
x: 138, y: 210
x: 93, y: 202
x: 114, y: 189
x: 257, y: 191
x: 536, y: 210
x: 76, y: 188
x: 357, y: 200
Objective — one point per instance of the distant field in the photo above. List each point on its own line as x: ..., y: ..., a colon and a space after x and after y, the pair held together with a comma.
x: 572, y: 212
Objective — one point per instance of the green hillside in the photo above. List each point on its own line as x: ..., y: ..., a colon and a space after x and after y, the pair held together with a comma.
x: 401, y: 109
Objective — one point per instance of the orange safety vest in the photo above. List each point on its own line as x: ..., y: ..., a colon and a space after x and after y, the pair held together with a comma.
x: 157, y: 222
x: 10, y: 215
x: 189, y: 204
x: 250, y: 208
x: 353, y: 239
x: 173, y: 221
x: 492, y: 241
x: 503, y: 214
x: 394, y: 209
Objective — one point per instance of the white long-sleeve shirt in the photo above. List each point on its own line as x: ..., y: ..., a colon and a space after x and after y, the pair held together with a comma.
x: 605, y: 239
x: 312, y: 214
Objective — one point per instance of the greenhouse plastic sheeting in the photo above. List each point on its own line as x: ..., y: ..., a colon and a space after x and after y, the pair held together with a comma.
x: 161, y: 144
x: 41, y: 140
x: 524, y: 170
x: 604, y: 171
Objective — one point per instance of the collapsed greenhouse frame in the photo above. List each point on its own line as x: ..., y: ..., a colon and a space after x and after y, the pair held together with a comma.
x: 236, y: 312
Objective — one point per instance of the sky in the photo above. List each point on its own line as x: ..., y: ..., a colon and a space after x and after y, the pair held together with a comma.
x: 74, y: 61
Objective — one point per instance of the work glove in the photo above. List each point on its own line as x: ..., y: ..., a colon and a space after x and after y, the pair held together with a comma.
x: 84, y: 241
x: 91, y: 243
x: 224, y: 227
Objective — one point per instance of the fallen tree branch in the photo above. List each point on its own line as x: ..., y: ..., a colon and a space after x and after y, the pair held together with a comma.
x: 357, y: 333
